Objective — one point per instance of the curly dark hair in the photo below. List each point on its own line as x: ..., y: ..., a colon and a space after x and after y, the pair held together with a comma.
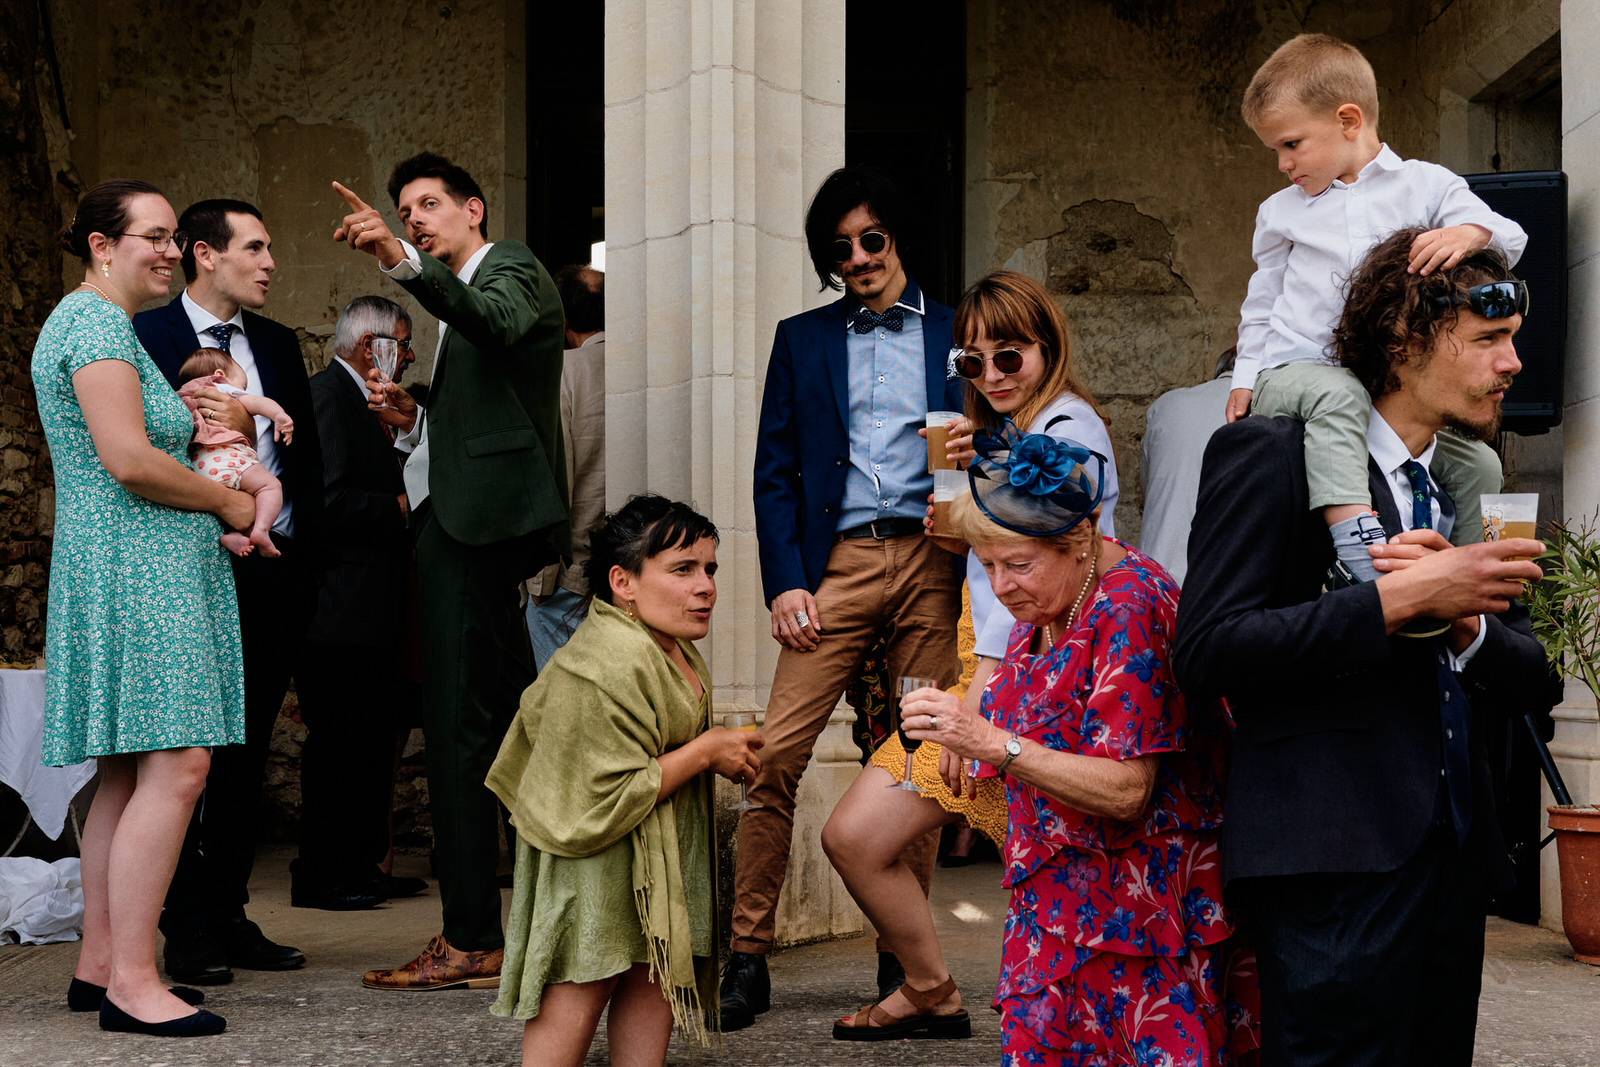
x: 1391, y: 317
x: 646, y: 526
x: 457, y: 182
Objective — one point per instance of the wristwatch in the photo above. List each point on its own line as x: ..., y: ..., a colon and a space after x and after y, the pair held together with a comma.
x: 1013, y: 750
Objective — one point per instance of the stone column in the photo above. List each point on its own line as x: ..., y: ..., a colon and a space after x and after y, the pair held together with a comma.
x: 722, y: 117
x: 1577, y: 741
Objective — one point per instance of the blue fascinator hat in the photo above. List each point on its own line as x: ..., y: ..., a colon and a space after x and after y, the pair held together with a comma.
x: 1032, y: 483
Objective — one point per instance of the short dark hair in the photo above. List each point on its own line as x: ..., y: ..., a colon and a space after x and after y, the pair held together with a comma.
x: 841, y: 193
x: 208, y: 221
x: 104, y: 210
x: 583, y: 297
x: 646, y: 526
x: 457, y: 182
x: 1391, y: 316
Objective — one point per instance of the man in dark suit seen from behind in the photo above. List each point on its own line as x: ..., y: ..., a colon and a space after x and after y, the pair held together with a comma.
x: 229, y: 266
x: 1360, y: 841
x: 487, y: 483
x: 352, y: 708
x: 841, y: 486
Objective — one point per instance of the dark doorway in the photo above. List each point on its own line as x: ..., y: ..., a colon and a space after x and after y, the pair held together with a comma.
x: 566, y: 132
x: 904, y: 107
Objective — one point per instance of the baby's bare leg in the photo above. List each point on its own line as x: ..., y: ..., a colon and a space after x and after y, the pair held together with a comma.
x: 268, y: 491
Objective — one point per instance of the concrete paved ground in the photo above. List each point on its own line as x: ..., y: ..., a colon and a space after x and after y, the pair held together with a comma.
x: 1539, y: 1007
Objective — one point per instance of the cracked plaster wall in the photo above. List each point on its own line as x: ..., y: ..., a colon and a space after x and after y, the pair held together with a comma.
x: 1107, y: 158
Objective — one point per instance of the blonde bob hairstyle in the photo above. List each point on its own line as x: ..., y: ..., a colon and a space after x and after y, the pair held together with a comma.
x: 1007, y: 306
x: 980, y: 531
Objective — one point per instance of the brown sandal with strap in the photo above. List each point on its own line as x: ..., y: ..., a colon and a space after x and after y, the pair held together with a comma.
x: 872, y: 1023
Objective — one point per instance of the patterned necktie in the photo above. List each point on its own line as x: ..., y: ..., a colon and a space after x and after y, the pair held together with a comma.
x: 1421, y: 495
x: 865, y: 320
x: 223, y: 332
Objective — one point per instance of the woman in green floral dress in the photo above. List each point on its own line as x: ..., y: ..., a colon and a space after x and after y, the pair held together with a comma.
x: 142, y: 635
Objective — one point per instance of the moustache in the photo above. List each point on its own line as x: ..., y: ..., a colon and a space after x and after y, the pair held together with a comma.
x: 1497, y: 384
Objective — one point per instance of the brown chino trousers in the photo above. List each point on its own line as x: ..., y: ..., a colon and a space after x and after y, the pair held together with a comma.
x: 904, y: 583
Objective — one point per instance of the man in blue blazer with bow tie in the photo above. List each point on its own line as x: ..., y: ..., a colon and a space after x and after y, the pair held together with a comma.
x: 841, y: 487
x: 229, y: 268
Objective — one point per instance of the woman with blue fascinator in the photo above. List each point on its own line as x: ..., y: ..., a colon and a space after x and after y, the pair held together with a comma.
x: 1117, y: 947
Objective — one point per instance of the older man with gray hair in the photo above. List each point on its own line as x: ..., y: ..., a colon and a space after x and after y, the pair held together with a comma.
x: 346, y: 693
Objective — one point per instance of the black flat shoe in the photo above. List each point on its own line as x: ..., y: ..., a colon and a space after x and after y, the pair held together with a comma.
x: 334, y: 897
x: 746, y: 991
x: 86, y: 996
x: 201, y: 1024
x: 195, y: 959
x: 248, y: 948
x: 393, y: 887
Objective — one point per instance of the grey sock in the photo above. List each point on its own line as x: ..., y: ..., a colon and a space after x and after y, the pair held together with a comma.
x: 1350, y: 540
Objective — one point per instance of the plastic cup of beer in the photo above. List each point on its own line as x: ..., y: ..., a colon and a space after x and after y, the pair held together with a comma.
x: 1507, y: 515
x: 947, y: 485
x: 938, y: 460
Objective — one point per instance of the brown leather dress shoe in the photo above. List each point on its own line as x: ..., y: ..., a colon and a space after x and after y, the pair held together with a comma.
x: 441, y: 967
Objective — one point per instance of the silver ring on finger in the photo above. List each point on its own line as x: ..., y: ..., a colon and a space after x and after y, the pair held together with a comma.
x: 933, y: 722
x: 802, y: 619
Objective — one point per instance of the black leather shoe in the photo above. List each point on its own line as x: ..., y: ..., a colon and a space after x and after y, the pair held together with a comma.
x: 246, y: 947
x: 891, y: 975
x: 334, y: 897
x: 391, y: 887
x: 86, y: 996
x: 746, y: 991
x: 195, y: 958
x: 201, y: 1024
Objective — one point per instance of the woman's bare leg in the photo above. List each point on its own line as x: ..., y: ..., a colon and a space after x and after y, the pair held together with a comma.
x: 560, y: 1035
x: 640, y: 1022
x: 143, y: 854
x: 105, y: 811
x: 864, y: 838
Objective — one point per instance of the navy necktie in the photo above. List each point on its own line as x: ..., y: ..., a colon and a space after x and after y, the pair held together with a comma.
x: 865, y: 320
x: 1455, y: 714
x: 223, y: 332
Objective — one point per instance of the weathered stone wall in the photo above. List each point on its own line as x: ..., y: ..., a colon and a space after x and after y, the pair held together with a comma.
x: 30, y: 262
x: 1107, y: 158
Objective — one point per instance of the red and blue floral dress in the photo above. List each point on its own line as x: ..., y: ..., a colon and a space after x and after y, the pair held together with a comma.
x: 1114, y: 942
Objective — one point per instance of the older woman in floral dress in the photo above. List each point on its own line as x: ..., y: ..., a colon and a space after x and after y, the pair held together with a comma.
x: 1117, y: 947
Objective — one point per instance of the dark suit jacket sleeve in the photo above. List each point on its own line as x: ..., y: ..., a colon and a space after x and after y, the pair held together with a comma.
x: 779, y: 498
x: 1250, y: 620
x: 361, y: 482
x: 495, y: 312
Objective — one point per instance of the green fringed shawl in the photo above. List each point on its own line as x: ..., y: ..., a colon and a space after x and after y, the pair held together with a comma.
x: 578, y: 772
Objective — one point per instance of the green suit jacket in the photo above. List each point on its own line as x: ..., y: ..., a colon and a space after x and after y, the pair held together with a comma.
x: 496, y: 463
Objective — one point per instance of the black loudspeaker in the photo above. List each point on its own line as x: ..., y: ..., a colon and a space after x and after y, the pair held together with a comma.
x: 1537, y: 201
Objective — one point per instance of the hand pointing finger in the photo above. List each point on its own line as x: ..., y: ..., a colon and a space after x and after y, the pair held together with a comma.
x: 355, y: 202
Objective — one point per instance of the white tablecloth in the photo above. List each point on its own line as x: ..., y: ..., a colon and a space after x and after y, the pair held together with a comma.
x: 47, y: 791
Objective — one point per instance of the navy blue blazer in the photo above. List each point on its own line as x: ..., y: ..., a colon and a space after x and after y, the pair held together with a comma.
x: 1336, y: 761
x: 168, y: 335
x: 803, y: 441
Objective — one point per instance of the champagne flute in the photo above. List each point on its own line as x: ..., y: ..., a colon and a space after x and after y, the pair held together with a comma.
x: 745, y: 723
x: 908, y: 685
x: 385, y: 357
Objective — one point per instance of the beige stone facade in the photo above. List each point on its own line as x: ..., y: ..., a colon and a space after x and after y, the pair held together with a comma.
x: 1104, y: 155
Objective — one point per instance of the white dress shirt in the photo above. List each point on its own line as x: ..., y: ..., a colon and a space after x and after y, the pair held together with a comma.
x: 1305, y: 247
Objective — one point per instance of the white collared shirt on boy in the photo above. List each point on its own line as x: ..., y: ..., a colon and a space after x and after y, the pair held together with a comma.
x: 1305, y: 247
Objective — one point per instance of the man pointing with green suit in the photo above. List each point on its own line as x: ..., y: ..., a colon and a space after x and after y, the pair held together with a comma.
x: 486, y: 483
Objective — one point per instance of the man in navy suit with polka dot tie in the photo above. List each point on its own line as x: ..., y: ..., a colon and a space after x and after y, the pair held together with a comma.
x: 229, y: 266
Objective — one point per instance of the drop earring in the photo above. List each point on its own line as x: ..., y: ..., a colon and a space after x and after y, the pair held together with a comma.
x: 632, y: 617
x: 105, y: 268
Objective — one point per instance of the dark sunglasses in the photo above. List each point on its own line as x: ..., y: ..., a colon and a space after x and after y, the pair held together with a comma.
x: 970, y: 364
x: 872, y: 242
x: 1491, y: 300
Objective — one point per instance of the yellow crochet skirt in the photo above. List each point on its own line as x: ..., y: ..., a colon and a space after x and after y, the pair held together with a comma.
x: 986, y: 812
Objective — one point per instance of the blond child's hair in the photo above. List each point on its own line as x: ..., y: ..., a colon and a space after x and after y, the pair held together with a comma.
x: 1315, y: 72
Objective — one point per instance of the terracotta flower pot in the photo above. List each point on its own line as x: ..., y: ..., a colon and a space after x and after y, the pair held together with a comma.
x: 1577, y: 831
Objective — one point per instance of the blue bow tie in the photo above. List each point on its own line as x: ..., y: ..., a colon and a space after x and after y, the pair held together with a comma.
x: 865, y: 320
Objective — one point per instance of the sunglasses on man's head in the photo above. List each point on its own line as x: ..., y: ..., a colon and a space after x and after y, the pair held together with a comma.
x: 872, y: 242
x: 1491, y: 300
x: 970, y: 364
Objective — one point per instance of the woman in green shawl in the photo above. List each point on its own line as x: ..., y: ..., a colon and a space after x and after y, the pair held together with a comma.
x: 607, y: 773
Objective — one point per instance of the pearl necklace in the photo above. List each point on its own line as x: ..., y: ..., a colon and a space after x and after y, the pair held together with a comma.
x: 1088, y: 579
x: 101, y: 291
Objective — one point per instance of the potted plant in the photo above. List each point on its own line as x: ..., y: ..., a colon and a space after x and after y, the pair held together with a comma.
x: 1565, y: 610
